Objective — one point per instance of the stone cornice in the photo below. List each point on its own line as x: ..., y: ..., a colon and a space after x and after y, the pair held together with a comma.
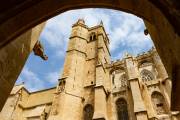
x: 76, y: 51
x: 75, y: 36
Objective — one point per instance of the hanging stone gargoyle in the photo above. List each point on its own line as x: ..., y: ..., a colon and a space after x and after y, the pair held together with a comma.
x: 39, y: 50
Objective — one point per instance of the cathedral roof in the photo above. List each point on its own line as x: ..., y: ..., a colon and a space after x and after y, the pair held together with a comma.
x: 17, y: 88
x: 36, y: 98
x: 40, y: 97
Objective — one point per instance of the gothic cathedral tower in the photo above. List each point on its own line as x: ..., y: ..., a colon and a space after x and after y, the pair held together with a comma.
x: 92, y: 87
x: 82, y: 85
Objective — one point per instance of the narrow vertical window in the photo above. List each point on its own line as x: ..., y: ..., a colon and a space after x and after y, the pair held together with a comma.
x: 93, y: 36
x: 113, y: 76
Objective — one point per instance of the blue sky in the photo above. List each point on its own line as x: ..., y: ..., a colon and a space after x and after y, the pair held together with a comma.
x: 125, y: 34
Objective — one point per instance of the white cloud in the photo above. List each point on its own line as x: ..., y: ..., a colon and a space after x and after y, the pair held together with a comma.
x: 125, y: 33
x: 118, y: 25
x: 120, y: 55
x: 58, y: 29
x: 52, y: 77
x: 138, y: 39
x: 31, y: 80
x: 60, y: 54
x: 129, y: 25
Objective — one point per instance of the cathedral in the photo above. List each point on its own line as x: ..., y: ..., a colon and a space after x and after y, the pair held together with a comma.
x: 92, y: 87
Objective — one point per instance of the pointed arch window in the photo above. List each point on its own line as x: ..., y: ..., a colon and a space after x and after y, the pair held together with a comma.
x: 146, y: 75
x: 158, y: 102
x: 113, y: 76
x: 122, y: 109
x: 88, y: 112
x: 145, y: 63
x: 93, y: 36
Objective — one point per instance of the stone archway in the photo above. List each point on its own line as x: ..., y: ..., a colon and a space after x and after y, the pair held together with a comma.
x: 158, y: 103
x: 16, y: 17
x: 19, y: 16
x: 122, y: 109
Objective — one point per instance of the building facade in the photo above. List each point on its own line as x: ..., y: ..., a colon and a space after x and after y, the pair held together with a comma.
x: 92, y: 87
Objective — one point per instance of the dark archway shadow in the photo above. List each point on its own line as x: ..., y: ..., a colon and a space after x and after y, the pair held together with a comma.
x: 24, y: 15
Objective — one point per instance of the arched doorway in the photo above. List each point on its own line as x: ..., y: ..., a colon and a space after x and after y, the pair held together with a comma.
x: 122, y: 109
x: 159, y: 103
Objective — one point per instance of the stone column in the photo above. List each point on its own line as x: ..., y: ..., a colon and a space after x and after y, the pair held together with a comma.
x: 148, y: 102
x: 100, y: 95
x: 139, y: 107
x: 168, y: 87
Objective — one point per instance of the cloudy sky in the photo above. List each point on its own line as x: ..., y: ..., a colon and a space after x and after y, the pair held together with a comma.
x: 125, y: 34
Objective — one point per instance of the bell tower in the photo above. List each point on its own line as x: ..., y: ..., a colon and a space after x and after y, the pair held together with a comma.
x: 84, y: 78
x: 69, y: 98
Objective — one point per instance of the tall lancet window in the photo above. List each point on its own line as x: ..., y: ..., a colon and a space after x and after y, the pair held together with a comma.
x: 159, y: 103
x: 123, y: 80
x: 146, y: 75
x: 88, y: 112
x: 122, y: 110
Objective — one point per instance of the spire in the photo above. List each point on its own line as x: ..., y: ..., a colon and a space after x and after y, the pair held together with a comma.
x: 126, y: 55
x: 80, y: 21
x: 101, y: 23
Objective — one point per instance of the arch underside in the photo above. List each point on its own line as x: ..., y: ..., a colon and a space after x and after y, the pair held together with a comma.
x: 12, y: 17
